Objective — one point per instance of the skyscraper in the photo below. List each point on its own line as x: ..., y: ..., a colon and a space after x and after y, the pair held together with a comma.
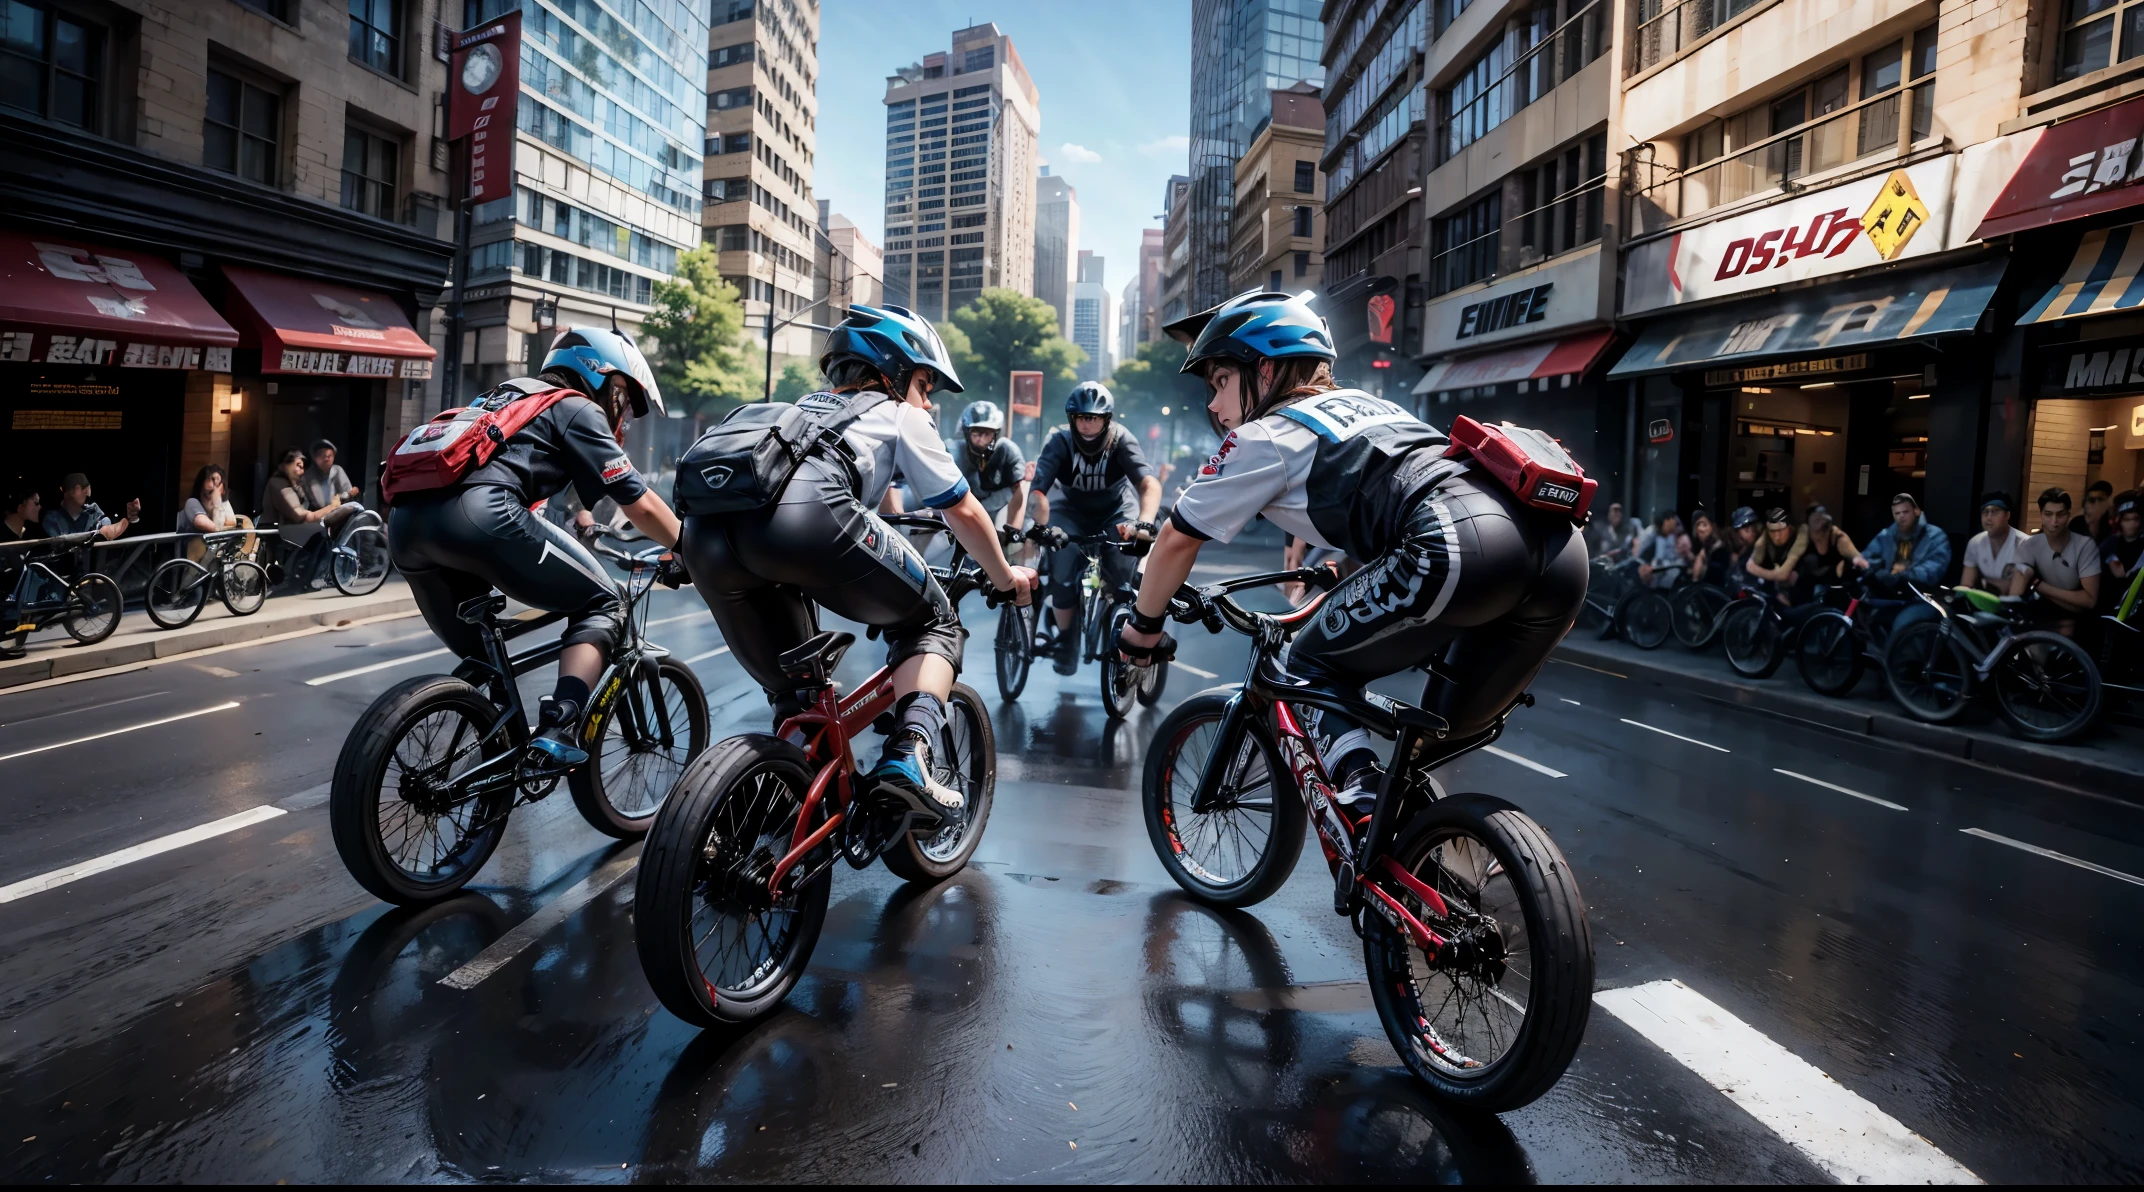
x: 1093, y: 318
x: 1056, y: 245
x: 1148, y: 325
x: 1241, y: 52
x: 961, y: 130
x: 762, y: 78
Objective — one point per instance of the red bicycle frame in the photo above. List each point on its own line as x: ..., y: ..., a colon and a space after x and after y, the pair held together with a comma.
x: 827, y: 727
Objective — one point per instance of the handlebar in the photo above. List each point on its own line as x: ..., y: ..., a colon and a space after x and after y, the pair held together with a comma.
x: 1210, y: 604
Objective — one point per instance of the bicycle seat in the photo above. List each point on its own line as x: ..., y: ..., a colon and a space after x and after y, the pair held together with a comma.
x: 1377, y: 713
x: 812, y: 664
x: 479, y: 609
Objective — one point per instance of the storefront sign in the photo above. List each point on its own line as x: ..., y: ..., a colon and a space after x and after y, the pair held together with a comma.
x: 1660, y: 430
x: 1379, y: 318
x: 2079, y: 167
x: 26, y: 345
x: 1529, y: 305
x: 351, y: 364
x: 1870, y: 221
x: 1788, y: 370
x: 1558, y: 295
x: 484, y: 101
x: 67, y: 420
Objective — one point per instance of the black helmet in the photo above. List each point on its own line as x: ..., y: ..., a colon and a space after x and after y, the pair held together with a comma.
x: 1742, y: 518
x: 1090, y: 397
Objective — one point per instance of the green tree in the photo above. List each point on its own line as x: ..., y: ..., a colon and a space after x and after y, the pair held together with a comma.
x: 1152, y: 381
x: 795, y: 381
x: 1002, y: 332
x: 698, y: 327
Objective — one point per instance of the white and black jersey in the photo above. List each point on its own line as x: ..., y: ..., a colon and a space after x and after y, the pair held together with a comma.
x: 894, y: 438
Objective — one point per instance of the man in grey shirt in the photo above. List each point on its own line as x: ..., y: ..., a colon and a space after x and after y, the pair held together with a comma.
x: 2061, y: 566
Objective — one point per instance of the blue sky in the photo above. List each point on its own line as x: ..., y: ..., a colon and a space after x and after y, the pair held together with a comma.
x: 1115, y: 80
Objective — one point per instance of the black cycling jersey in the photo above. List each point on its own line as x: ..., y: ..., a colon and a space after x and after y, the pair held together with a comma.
x: 991, y: 472
x: 570, y: 443
x: 455, y: 544
x: 1092, y: 484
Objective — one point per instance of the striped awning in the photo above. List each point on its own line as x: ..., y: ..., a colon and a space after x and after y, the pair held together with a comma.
x: 2101, y: 279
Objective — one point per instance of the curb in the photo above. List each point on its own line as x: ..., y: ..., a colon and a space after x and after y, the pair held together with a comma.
x: 2046, y: 763
x: 225, y: 631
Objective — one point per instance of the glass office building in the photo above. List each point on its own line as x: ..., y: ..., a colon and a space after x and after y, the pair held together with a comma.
x: 1241, y: 52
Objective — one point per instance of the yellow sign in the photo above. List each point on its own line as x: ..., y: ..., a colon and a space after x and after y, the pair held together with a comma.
x: 1894, y: 217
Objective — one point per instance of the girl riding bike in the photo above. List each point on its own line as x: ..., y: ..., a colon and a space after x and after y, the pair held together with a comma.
x: 458, y: 542
x: 1458, y: 572
x: 764, y: 571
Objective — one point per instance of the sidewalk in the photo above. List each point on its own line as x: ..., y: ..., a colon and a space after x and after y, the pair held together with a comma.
x: 2109, y: 762
x: 53, y: 654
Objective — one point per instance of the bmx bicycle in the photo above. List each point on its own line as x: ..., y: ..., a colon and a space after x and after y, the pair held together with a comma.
x: 1479, y: 954
x: 1623, y: 607
x: 735, y: 874
x: 89, y: 608
x: 1102, y: 612
x: 430, y: 772
x: 182, y: 587
x: 2046, y: 686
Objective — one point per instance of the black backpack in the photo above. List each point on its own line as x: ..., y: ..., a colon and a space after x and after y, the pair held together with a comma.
x: 745, y: 461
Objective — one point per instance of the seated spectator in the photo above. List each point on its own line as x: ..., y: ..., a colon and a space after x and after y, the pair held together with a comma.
x: 1712, y: 555
x: 1612, y: 535
x: 1778, y: 555
x: 1747, y: 528
x: 1991, y: 555
x: 77, y: 514
x: 209, y: 508
x: 1911, y: 548
x: 2119, y: 552
x: 2097, y: 520
x: 326, y: 484
x: 1830, y: 550
x: 18, y: 524
x: 299, y: 524
x: 2062, y: 567
x: 1663, y: 551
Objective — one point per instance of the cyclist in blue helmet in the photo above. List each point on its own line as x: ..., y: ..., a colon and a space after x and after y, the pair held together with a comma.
x: 458, y: 542
x: 763, y: 571
x: 1456, y: 568
x: 1102, y: 483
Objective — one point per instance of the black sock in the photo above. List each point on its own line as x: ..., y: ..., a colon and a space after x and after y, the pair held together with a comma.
x: 571, y: 690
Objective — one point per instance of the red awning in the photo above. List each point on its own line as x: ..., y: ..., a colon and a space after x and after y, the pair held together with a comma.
x: 1570, y: 356
x: 67, y: 301
x: 318, y: 327
x: 2077, y: 168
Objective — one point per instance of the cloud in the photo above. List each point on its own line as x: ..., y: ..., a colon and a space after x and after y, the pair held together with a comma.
x: 1080, y: 154
x: 1167, y: 147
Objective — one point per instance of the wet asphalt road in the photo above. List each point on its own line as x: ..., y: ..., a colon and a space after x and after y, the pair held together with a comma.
x: 237, y: 1009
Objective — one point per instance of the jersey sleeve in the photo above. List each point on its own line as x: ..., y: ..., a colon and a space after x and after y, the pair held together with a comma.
x: 1243, y: 477
x: 598, y: 466
x: 921, y: 459
x: 1014, y: 461
x: 1050, y: 462
x: 1130, y: 460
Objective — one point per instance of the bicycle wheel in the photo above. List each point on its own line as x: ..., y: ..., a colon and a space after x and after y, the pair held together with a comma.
x: 176, y: 594
x: 1015, y: 649
x: 1928, y: 675
x: 1695, y: 614
x: 716, y: 947
x: 641, y: 731
x: 1120, y: 679
x: 1752, y: 637
x: 2046, y: 687
x: 358, y: 566
x: 403, y: 831
x: 245, y: 587
x: 1152, y: 682
x: 1644, y: 619
x: 1492, y: 1020
x: 93, y: 609
x: 1241, y: 849
x: 1828, y: 653
x: 964, y: 757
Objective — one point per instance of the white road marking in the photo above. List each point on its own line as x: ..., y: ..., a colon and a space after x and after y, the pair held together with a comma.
x: 1203, y: 674
x: 218, y: 671
x: 126, y: 668
x: 1678, y: 736
x: 338, y: 676
x: 1842, y: 790
x: 2052, y: 855
x: 1527, y: 762
x: 222, y: 707
x: 533, y: 928
x: 1574, y: 703
x: 1596, y: 670
x: 312, y: 796
x: 125, y: 856
x: 714, y: 653
x: 681, y: 617
x: 1852, y: 1140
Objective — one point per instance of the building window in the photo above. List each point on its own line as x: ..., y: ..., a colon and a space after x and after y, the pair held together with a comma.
x: 370, y: 165
x: 1302, y: 264
x: 50, y: 65
x: 279, y: 9
x: 376, y: 35
x: 1302, y: 221
x: 735, y: 97
x: 1540, y: 49
x: 729, y: 56
x: 735, y: 10
x: 1560, y: 201
x: 1882, y: 71
x: 1306, y: 177
x: 1273, y: 282
x: 242, y: 132
x: 2088, y: 35
x: 1463, y: 245
x: 982, y: 59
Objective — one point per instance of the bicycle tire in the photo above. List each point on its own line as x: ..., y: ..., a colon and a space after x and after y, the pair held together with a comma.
x: 1120, y: 679
x: 1170, y: 778
x: 718, y: 790
x: 1753, y: 640
x: 361, y: 772
x: 1153, y: 683
x: 1827, y: 652
x: 1559, y: 952
x: 965, y: 757
x: 1644, y: 619
x: 359, y: 563
x: 94, y: 607
x: 2044, y: 672
x: 1928, y: 677
x: 1015, y: 648
x: 245, y: 587
x: 1696, y: 614
x: 176, y: 594
x: 605, y: 731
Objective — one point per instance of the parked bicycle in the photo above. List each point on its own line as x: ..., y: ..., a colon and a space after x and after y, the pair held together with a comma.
x: 1841, y: 641
x: 1695, y: 611
x: 89, y: 608
x: 1100, y: 615
x: 1758, y: 631
x: 2121, y: 643
x: 735, y: 875
x: 429, y: 774
x: 2046, y: 686
x: 1479, y: 955
x: 1622, y: 607
x: 355, y: 560
x: 182, y: 587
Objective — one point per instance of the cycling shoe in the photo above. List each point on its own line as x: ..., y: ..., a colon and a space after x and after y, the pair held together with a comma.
x: 558, y: 723
x: 905, y: 771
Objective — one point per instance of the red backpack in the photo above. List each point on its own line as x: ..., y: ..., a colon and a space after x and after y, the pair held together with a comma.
x: 1530, y: 464
x: 457, y: 442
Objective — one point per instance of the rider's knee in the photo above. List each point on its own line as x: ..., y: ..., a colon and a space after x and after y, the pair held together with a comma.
x: 600, y: 627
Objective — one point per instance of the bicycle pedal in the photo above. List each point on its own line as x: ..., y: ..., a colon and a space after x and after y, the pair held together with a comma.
x: 1347, y: 894
x: 26, y: 627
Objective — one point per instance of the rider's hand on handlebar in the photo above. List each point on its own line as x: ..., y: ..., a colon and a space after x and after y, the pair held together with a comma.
x: 1145, y: 644
x: 1023, y: 583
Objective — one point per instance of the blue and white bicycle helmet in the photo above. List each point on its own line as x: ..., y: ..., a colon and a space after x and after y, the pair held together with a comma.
x: 594, y: 353
x: 893, y: 340
x: 1254, y: 326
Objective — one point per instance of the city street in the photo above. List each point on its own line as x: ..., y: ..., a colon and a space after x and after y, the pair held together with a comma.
x: 234, y: 1008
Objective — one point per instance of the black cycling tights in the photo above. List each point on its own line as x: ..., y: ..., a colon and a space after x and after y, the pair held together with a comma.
x: 763, y: 574
x: 1480, y: 585
x: 457, y: 544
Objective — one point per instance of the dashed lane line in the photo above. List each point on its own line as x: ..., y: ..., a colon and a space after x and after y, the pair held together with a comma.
x: 222, y: 707
x: 1849, y: 1138
x: 1203, y: 674
x: 2052, y: 855
x: 126, y: 856
x: 1527, y: 762
x: 1832, y: 786
x: 1678, y: 736
x: 354, y: 672
x: 1596, y: 670
x: 717, y: 652
x: 529, y: 930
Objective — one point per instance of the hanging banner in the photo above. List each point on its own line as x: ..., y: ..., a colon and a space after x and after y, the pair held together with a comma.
x: 483, y: 101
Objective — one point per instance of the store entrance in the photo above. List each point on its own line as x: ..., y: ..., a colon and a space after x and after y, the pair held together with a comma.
x: 1848, y: 444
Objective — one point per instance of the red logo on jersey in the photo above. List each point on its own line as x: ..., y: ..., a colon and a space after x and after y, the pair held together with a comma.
x: 1220, y: 458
